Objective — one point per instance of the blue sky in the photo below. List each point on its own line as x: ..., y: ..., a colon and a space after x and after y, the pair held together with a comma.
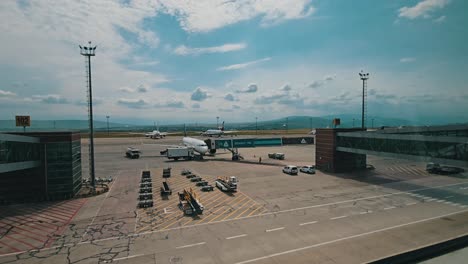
x: 190, y: 61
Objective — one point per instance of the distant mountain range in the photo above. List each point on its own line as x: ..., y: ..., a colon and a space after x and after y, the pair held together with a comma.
x: 291, y: 122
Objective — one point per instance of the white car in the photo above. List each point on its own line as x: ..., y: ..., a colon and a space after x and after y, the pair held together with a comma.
x: 290, y: 169
x: 308, y: 169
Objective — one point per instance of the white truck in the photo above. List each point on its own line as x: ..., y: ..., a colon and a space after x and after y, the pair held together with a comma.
x: 227, y: 185
x: 180, y: 153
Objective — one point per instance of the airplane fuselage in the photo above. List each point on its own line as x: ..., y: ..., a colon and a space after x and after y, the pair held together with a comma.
x: 197, y: 144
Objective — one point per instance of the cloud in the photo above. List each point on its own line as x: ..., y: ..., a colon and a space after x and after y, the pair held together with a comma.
x: 241, y: 65
x: 170, y: 104
x: 251, y: 88
x: 230, y: 97
x: 268, y: 99
x: 422, y: 9
x: 199, y: 94
x: 196, y: 106
x: 6, y: 93
x: 318, y: 83
x: 96, y: 101
x: 132, y: 103
x: 207, y: 15
x: 225, y: 110
x: 440, y: 19
x: 407, y: 60
x: 286, y: 88
x: 148, y: 38
x: 235, y: 107
x: 142, y: 88
x: 184, y: 50
x: 126, y: 89
x: 385, y: 96
x: 50, y: 99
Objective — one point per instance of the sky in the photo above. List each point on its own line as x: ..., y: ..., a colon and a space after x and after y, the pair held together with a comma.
x: 176, y: 61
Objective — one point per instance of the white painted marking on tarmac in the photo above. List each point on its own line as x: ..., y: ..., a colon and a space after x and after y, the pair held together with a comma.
x: 410, y: 204
x: 447, y: 197
x: 339, y: 217
x: 191, y: 245
x: 346, y: 238
x: 463, y: 188
x: 308, y: 223
x: 390, y: 207
x: 237, y: 219
x: 129, y: 257
x: 243, y: 235
x: 274, y: 229
x: 363, y: 212
x: 430, y: 200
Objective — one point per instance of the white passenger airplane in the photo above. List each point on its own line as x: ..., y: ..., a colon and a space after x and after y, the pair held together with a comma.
x: 216, y: 132
x: 198, y: 145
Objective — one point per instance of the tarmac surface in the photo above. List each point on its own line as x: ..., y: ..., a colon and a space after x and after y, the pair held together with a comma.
x: 273, y: 218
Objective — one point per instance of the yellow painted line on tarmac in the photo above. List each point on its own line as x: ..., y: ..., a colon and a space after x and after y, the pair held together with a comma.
x: 243, y: 198
x: 243, y: 208
x: 212, y: 198
x: 246, y: 210
x: 254, y: 211
x: 264, y: 211
x: 176, y: 220
x: 236, y: 210
x: 222, y: 207
x: 219, y: 197
x: 143, y: 229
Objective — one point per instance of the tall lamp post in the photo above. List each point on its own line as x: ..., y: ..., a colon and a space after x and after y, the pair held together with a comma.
x: 107, y: 125
x: 89, y: 52
x: 364, y: 77
x: 353, y: 122
x: 217, y: 122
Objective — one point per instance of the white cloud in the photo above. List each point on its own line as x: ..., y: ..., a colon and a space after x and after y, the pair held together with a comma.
x: 184, y: 50
x: 199, y: 94
x: 6, y: 93
x: 286, y: 88
x: 56, y: 28
x: 241, y: 65
x: 126, y: 89
x: 251, y: 88
x: 196, y: 105
x: 407, y: 60
x: 318, y: 83
x: 50, y: 99
x: 440, y: 19
x: 170, y: 104
x: 207, y: 15
x: 132, y: 103
x: 142, y: 88
x: 422, y: 9
x: 230, y: 97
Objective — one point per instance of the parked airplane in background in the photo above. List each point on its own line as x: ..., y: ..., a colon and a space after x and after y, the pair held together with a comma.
x: 216, y: 132
x: 156, y: 134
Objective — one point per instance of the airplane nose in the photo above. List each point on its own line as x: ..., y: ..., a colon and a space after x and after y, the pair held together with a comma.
x: 205, y: 149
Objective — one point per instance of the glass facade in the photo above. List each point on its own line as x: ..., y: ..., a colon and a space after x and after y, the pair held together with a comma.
x: 63, y: 166
x: 13, y: 151
x: 56, y: 173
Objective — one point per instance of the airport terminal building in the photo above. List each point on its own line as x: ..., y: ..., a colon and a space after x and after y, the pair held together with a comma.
x: 37, y: 166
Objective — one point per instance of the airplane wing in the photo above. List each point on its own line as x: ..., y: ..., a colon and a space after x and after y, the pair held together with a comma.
x: 163, y: 145
x: 230, y: 131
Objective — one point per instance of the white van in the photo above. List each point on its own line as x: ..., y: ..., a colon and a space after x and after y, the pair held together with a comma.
x: 290, y: 169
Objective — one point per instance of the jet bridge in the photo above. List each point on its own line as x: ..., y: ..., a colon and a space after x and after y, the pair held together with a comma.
x: 441, y: 144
